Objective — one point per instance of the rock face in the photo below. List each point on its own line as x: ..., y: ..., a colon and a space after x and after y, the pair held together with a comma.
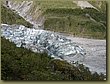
x: 28, y: 10
x: 54, y: 44
x: 84, y: 4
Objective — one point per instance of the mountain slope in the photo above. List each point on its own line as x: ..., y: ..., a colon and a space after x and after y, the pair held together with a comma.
x: 100, y: 5
x: 9, y: 17
x: 65, y: 16
x: 87, y: 23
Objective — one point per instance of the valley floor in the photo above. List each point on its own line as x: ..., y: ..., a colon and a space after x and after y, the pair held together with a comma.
x: 95, y: 57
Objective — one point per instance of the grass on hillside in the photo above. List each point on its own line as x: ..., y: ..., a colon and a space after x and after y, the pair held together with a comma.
x: 76, y: 22
x: 101, y: 5
x: 47, y: 4
x: 65, y: 16
x: 9, y: 17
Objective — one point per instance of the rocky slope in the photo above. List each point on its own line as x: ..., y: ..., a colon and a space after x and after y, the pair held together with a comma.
x: 28, y: 10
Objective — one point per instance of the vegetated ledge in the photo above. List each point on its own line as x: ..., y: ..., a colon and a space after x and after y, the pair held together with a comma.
x: 23, y: 64
x: 87, y: 23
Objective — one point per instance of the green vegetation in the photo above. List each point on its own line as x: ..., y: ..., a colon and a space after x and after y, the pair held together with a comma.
x: 23, y: 64
x: 88, y: 22
x: 9, y: 17
x: 65, y: 16
x: 47, y: 4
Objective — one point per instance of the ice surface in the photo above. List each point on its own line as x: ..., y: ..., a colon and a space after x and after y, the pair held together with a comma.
x: 41, y: 40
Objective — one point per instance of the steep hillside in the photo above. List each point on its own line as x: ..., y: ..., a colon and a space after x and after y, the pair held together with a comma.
x: 65, y: 16
x: 78, y: 22
x: 100, y: 5
x: 23, y: 64
x: 9, y: 17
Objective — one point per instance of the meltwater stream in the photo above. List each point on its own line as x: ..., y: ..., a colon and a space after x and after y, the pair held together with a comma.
x: 59, y: 46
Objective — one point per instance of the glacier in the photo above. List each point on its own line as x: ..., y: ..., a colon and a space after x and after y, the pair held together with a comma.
x: 39, y: 40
